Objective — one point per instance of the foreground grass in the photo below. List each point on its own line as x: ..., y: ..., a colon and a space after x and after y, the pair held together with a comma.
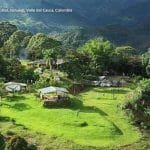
x: 96, y: 120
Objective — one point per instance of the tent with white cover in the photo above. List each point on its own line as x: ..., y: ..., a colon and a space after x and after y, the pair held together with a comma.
x: 52, y: 89
x: 14, y: 86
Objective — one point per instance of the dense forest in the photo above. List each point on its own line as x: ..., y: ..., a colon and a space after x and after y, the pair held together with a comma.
x: 95, y: 57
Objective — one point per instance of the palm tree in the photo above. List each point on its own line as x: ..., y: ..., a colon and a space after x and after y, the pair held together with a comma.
x: 48, y: 56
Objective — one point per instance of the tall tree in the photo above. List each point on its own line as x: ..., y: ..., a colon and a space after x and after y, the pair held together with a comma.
x: 6, y: 30
x: 51, y: 55
x: 14, y: 70
x: 17, y: 41
x: 76, y: 65
x: 125, y: 52
x: 48, y: 57
x: 100, y: 52
x: 39, y: 43
x: 124, y: 59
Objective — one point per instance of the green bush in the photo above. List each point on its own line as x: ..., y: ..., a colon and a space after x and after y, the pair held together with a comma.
x: 32, y: 147
x: 2, y: 142
x: 17, y: 143
x: 142, y: 90
x: 10, y: 133
x: 138, y: 103
x: 84, y: 124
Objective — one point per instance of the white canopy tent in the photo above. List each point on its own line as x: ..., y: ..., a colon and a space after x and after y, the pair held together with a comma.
x: 53, y: 89
x: 14, y: 86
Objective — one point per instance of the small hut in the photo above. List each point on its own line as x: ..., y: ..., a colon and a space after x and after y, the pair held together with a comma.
x: 59, y: 91
x: 15, y: 87
x: 38, y: 63
x: 54, y: 96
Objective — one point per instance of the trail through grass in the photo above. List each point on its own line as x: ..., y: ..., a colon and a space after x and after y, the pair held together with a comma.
x: 96, y: 119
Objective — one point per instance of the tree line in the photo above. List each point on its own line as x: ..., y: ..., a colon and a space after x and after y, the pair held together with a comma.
x: 95, y: 57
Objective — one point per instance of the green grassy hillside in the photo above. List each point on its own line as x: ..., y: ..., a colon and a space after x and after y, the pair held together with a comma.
x: 94, y: 121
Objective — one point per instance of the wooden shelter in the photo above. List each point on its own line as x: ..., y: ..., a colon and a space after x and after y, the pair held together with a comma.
x: 59, y: 93
x: 57, y: 97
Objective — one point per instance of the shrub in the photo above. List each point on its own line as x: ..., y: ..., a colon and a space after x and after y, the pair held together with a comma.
x: 138, y: 102
x: 18, y: 143
x: 143, y: 89
x: 84, y: 124
x: 32, y: 147
x: 2, y: 142
x: 10, y: 133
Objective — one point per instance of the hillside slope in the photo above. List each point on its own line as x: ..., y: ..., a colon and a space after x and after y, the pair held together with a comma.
x: 122, y: 22
x: 85, y: 13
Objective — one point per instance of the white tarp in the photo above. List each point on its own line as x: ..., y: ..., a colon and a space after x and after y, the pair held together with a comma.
x: 52, y: 89
x: 15, y: 83
x: 14, y: 87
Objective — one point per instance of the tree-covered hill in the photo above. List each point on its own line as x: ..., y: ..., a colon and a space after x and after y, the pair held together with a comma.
x: 122, y: 22
x: 85, y: 13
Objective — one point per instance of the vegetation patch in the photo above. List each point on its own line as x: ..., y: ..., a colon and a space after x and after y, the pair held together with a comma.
x: 94, y: 121
x: 139, y: 104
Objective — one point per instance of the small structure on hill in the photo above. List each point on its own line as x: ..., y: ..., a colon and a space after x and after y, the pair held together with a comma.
x: 123, y: 82
x: 105, y: 83
x: 101, y: 78
x: 60, y: 62
x: 115, y: 83
x: 15, y: 87
x: 54, y: 96
x: 37, y: 63
x: 101, y: 81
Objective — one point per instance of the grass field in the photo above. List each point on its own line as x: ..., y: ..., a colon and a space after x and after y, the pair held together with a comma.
x: 96, y: 120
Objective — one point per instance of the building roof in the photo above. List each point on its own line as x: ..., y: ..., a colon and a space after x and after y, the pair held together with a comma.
x: 15, y: 83
x: 52, y: 89
x: 59, y: 61
x: 38, y: 62
x: 14, y: 86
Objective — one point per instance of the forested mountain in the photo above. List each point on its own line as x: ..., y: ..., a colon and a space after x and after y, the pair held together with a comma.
x: 85, y: 13
x: 123, y: 21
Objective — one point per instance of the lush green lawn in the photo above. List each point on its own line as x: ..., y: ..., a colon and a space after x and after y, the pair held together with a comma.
x: 107, y: 124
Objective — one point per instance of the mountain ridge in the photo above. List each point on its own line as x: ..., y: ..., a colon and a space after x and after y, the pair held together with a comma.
x: 85, y: 13
x: 133, y: 18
